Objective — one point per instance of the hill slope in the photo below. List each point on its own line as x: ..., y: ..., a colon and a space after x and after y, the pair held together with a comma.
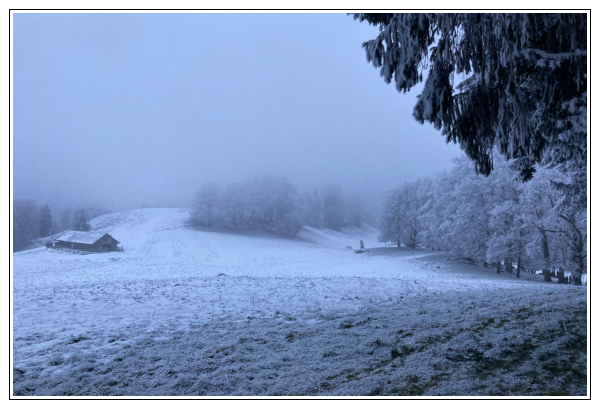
x: 179, y: 301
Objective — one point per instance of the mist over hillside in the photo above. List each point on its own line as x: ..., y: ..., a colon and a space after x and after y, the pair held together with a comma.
x: 299, y: 204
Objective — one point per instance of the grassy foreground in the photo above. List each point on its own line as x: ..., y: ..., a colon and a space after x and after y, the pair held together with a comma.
x: 532, y: 341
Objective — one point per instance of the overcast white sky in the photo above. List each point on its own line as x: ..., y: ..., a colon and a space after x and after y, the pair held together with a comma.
x: 131, y: 110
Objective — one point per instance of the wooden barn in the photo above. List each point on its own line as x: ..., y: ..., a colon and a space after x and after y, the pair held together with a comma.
x: 87, y: 241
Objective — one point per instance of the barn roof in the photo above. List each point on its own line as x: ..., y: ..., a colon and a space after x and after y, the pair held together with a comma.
x: 84, y: 237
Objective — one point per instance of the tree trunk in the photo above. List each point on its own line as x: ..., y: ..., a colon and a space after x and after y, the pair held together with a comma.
x: 519, y: 257
x: 577, y: 247
x: 413, y: 239
x: 546, y: 252
x: 578, y: 258
x: 561, y: 276
x: 498, y: 265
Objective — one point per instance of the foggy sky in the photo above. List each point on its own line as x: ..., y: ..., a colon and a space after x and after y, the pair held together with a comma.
x: 138, y: 110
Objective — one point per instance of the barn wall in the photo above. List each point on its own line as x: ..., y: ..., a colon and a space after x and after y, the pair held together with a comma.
x: 106, y: 240
x: 75, y: 246
x: 97, y: 246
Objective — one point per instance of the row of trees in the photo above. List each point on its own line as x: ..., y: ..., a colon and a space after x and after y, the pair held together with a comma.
x: 497, y: 219
x: 332, y: 208
x: 31, y: 221
x: 272, y: 204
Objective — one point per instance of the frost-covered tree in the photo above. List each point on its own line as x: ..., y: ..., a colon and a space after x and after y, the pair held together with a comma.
x: 400, y: 214
x: 539, y: 200
x: 437, y: 207
x: 283, y: 210
x: 566, y: 220
x: 455, y: 215
x: 312, y: 209
x: 517, y: 82
x: 80, y: 221
x: 70, y: 216
x: 510, y: 233
x: 464, y: 221
x: 206, y: 204
x: 333, y: 207
x: 559, y: 224
x: 264, y: 204
x: 25, y: 223
x: 573, y: 234
x: 234, y: 207
x: 497, y: 219
x: 45, y: 221
x: 390, y: 219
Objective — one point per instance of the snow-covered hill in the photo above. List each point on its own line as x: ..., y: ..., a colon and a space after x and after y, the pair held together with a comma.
x: 71, y: 310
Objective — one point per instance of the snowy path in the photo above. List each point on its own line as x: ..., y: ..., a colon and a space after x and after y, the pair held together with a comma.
x: 173, y: 279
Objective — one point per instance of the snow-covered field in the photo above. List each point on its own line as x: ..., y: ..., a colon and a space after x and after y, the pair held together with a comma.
x: 188, y: 312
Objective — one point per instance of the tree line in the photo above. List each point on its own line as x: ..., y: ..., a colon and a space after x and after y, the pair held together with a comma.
x: 273, y: 205
x: 498, y: 220
x: 31, y: 222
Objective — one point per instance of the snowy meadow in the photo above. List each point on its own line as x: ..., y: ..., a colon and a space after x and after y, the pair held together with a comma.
x: 189, y: 312
x: 241, y: 204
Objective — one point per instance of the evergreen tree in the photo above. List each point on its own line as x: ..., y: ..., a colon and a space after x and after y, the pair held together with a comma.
x: 525, y: 86
x: 45, y: 221
x: 25, y: 223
